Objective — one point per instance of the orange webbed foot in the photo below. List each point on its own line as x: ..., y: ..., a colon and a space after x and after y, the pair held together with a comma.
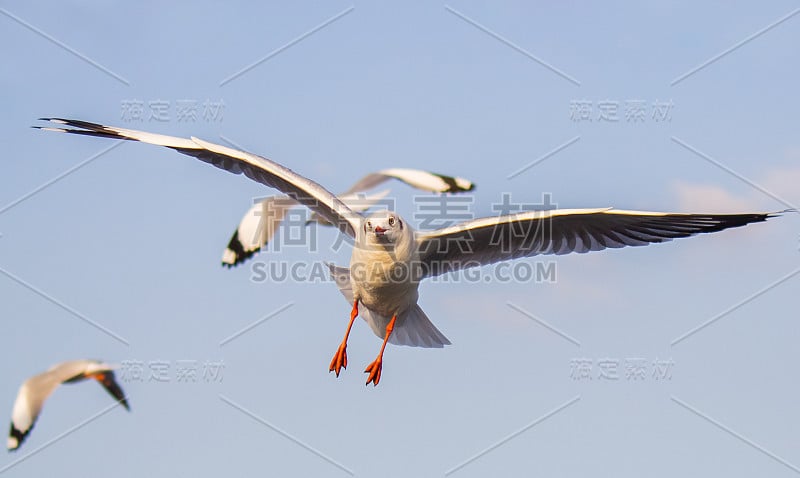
x: 374, y: 371
x: 339, y: 360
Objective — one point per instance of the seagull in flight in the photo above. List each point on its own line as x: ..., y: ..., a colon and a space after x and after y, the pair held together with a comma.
x: 390, y: 259
x: 34, y: 391
x: 260, y: 223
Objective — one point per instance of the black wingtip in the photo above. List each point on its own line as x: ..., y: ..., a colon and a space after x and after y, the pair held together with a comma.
x: 53, y: 119
x: 770, y: 215
x: 240, y: 255
x: 108, y: 381
x: 241, y: 258
x: 455, y: 185
x: 84, y: 128
x: 18, y: 436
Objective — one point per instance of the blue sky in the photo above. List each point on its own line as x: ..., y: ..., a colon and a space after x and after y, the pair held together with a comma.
x: 131, y: 240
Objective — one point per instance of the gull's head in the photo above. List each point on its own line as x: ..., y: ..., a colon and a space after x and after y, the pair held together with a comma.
x: 384, y: 227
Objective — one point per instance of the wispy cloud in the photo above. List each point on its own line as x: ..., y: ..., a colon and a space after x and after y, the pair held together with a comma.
x: 709, y: 197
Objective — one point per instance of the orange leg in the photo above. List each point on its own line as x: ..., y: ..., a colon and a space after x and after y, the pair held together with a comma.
x: 340, y: 357
x: 374, y: 369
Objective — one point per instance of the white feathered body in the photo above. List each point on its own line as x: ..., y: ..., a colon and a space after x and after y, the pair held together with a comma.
x: 384, y: 277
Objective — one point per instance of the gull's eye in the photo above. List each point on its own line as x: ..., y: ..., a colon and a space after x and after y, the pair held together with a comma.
x: 369, y: 224
x: 391, y: 221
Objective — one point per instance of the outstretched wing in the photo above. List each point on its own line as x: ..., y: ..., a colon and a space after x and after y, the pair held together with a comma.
x: 561, y: 231
x: 257, y: 168
x: 424, y: 180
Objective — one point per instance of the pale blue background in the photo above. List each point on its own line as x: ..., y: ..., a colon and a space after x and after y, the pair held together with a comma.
x: 133, y: 239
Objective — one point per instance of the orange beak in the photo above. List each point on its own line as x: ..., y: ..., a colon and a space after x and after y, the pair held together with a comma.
x: 379, y: 231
